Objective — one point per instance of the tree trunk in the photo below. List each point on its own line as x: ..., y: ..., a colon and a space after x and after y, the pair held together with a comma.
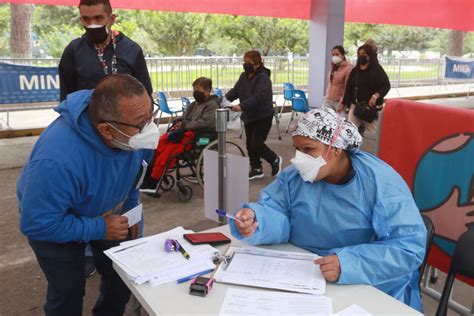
x: 20, y: 43
x: 456, y: 43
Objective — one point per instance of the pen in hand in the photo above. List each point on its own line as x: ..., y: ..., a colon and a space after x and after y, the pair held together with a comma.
x: 224, y: 213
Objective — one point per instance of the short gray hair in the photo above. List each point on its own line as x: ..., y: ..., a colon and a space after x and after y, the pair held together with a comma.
x: 104, y: 105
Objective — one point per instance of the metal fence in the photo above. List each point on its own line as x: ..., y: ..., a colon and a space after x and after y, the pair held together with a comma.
x: 175, y: 75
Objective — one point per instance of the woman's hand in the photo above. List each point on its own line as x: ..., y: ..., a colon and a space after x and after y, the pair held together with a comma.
x: 373, y: 99
x: 330, y: 267
x: 245, y: 224
x: 236, y: 108
x: 340, y: 108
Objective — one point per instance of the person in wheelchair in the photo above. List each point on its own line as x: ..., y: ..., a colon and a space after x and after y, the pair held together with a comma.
x: 200, y: 116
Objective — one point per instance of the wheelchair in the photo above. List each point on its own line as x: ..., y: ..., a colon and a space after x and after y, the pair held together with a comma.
x: 188, y: 166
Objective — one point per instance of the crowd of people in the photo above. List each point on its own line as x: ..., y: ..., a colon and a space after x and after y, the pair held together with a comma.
x: 87, y: 169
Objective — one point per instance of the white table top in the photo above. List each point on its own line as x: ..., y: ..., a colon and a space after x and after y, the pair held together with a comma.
x: 173, y: 298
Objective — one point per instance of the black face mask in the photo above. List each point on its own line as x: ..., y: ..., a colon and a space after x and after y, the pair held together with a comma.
x: 199, y: 96
x: 248, y: 68
x: 362, y: 60
x: 97, y: 35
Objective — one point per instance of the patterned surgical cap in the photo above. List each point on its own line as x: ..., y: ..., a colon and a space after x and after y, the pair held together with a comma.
x: 326, y: 126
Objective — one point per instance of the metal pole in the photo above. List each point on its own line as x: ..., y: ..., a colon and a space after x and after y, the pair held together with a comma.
x: 222, y: 116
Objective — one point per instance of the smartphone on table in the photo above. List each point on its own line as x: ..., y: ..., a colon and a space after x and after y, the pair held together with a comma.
x: 213, y: 239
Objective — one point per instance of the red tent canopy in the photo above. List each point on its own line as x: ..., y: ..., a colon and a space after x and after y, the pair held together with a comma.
x: 451, y: 14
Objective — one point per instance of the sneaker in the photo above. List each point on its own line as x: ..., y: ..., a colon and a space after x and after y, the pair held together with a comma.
x: 149, y: 186
x: 90, y: 267
x: 276, y: 166
x: 256, y: 174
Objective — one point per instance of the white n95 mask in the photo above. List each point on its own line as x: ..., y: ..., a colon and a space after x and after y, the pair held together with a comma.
x: 336, y: 59
x: 147, y: 139
x: 308, y: 167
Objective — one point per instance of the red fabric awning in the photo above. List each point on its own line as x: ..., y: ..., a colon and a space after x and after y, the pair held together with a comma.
x: 451, y: 14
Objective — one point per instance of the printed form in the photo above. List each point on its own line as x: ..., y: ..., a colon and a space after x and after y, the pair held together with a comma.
x: 251, y: 302
x: 265, y: 268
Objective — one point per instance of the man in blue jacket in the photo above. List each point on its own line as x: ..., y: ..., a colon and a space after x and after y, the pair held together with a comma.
x: 83, y: 173
x: 345, y: 205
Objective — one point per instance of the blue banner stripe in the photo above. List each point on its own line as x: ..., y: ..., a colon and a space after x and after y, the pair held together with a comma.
x: 27, y: 84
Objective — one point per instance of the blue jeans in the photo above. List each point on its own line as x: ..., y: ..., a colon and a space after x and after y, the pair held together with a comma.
x: 64, y: 268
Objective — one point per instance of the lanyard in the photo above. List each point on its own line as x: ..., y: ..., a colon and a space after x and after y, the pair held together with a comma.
x: 103, y: 62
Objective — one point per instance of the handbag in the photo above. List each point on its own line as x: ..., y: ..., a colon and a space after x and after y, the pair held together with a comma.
x: 362, y: 109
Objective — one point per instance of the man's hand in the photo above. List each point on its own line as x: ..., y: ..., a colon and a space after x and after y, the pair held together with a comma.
x: 330, y: 267
x: 246, y: 224
x: 116, y: 227
x: 236, y: 108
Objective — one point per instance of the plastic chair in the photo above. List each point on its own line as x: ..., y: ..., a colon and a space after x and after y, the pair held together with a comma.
x: 288, y: 89
x: 462, y: 263
x: 299, y: 103
x: 164, y: 108
x: 185, y: 103
x: 275, y: 116
x: 218, y: 92
x: 430, y: 230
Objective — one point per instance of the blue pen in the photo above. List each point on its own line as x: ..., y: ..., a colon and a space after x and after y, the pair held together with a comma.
x: 224, y: 213
x: 190, y: 277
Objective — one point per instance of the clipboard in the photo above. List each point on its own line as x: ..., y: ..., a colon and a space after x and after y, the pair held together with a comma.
x: 287, y: 271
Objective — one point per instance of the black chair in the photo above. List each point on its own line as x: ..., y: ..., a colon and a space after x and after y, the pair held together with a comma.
x: 430, y: 230
x: 462, y: 263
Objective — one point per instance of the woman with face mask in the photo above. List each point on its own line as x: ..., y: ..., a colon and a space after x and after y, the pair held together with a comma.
x: 345, y: 205
x: 340, y: 70
x: 368, y: 82
x: 200, y: 116
x: 254, y: 91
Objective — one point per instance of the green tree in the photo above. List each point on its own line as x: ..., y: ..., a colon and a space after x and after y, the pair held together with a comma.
x: 4, y: 29
x: 174, y: 34
x: 266, y: 34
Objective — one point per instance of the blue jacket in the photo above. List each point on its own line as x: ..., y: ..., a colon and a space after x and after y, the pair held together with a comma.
x: 72, y: 178
x: 370, y: 222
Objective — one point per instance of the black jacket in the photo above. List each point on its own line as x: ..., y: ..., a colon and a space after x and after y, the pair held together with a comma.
x: 255, y: 95
x: 80, y: 68
x: 371, y: 80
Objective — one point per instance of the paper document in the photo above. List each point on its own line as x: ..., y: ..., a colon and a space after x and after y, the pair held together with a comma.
x: 354, y: 310
x: 251, y: 302
x: 134, y: 215
x: 146, y: 260
x: 281, y: 270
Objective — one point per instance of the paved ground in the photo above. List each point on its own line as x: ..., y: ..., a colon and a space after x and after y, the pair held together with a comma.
x: 22, y: 283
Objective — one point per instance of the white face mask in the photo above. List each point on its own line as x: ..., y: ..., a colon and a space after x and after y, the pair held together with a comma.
x: 308, y: 167
x: 336, y: 59
x: 147, y: 139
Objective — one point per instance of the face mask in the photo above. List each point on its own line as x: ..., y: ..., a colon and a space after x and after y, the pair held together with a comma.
x: 147, y: 139
x: 248, y: 68
x: 308, y: 167
x: 336, y: 59
x: 97, y: 33
x: 362, y: 60
x: 199, y: 96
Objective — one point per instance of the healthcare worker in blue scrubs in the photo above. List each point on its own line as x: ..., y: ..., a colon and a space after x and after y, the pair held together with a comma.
x: 345, y: 205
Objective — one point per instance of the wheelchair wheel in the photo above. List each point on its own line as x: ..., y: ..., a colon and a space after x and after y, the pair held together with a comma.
x: 231, y: 148
x: 185, y: 193
x: 167, y: 182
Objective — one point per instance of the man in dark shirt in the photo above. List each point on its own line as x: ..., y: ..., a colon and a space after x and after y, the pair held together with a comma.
x: 96, y: 54
x: 99, y: 52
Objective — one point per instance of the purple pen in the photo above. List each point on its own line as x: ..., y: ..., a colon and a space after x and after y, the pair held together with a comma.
x: 224, y: 213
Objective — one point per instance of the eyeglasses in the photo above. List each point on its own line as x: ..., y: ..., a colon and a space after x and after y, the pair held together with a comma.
x: 140, y: 127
